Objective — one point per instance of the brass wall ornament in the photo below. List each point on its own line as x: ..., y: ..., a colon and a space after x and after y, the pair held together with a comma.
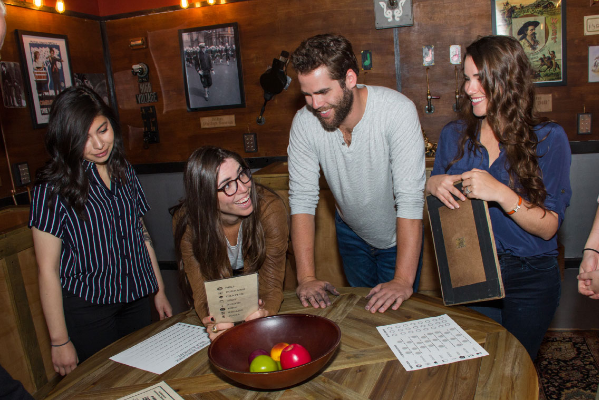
x: 430, y: 148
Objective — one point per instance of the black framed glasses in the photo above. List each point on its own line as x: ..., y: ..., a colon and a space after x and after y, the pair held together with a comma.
x: 230, y: 187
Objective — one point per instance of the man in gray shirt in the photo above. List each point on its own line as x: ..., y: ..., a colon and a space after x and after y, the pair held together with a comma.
x: 368, y: 142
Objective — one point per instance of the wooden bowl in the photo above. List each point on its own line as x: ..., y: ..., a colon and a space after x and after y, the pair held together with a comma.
x: 229, y: 352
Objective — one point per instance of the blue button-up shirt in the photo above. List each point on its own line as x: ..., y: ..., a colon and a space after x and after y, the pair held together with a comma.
x: 554, y: 162
x: 104, y: 259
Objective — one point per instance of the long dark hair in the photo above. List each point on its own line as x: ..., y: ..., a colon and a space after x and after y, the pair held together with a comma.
x: 505, y: 75
x: 198, y: 214
x: 72, y: 114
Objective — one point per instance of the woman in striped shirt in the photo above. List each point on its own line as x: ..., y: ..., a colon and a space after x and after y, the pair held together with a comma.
x: 96, y: 263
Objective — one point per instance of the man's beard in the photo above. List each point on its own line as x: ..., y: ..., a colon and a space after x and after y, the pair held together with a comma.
x: 340, y: 111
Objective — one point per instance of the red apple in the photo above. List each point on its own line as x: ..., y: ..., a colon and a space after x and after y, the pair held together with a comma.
x: 276, y: 350
x: 256, y: 353
x: 294, y: 355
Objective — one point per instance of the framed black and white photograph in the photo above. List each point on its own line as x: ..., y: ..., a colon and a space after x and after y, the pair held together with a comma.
x: 46, y: 63
x: 540, y: 27
x: 13, y: 90
x: 96, y: 82
x: 212, y: 72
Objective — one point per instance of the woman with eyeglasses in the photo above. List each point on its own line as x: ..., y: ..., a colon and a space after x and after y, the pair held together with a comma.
x: 226, y: 225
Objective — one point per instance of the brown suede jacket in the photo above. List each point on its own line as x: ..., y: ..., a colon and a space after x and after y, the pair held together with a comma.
x: 272, y: 272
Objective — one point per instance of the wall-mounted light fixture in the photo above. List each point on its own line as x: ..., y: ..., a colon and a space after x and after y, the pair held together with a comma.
x: 137, y: 43
x: 38, y: 3
x: 184, y: 3
x: 60, y: 6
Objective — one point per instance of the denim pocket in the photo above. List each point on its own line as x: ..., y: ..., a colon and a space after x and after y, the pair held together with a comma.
x: 541, y: 263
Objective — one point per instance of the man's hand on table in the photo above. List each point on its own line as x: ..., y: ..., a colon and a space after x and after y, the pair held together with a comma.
x: 388, y: 294
x: 314, y: 292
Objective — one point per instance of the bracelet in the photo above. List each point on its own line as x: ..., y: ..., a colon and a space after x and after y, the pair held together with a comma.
x: 588, y: 248
x: 515, y: 210
x: 60, y: 345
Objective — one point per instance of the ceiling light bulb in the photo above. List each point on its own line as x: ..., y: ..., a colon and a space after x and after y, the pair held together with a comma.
x: 184, y: 4
x: 37, y: 3
x: 60, y: 6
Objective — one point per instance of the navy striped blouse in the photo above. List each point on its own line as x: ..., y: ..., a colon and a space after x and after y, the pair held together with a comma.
x: 104, y: 259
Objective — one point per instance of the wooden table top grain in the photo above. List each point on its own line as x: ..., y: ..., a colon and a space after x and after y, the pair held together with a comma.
x: 363, y: 368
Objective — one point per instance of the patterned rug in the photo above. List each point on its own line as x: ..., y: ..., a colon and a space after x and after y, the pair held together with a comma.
x: 568, y: 365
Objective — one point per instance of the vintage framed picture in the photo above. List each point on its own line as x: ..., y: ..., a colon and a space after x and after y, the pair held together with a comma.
x: 541, y: 29
x: 212, y: 72
x: 13, y: 92
x: 593, y: 63
x: 46, y: 64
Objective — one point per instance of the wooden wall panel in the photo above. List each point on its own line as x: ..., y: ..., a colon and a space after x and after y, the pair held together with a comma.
x: 24, y: 143
x: 267, y: 27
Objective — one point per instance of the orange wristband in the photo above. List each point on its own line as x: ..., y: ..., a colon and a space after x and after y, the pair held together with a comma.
x: 515, y: 210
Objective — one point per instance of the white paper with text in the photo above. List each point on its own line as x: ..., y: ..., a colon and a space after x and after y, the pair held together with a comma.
x: 429, y: 342
x: 166, y: 349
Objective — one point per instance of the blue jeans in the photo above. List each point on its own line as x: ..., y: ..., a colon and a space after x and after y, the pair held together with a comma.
x: 364, y: 265
x: 532, y: 290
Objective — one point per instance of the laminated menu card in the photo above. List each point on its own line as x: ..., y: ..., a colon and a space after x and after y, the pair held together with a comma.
x: 232, y: 299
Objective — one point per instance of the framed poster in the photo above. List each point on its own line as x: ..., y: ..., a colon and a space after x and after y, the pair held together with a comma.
x: 212, y: 72
x: 46, y: 64
x: 540, y: 26
x: 13, y: 92
x: 593, y: 63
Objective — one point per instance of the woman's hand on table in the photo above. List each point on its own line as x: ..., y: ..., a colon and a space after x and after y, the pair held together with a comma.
x: 163, y: 306
x: 314, y: 292
x: 215, y: 329
x: 442, y: 187
x: 259, y: 313
x: 64, y: 358
x: 388, y: 294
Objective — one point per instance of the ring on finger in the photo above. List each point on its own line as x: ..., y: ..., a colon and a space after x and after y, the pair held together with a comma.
x: 214, y: 329
x: 467, y: 191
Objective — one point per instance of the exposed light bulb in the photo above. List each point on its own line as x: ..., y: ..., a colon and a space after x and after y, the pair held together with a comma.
x: 38, y: 3
x: 198, y: 4
x: 60, y: 6
x: 223, y: 2
x: 211, y: 2
x: 184, y: 4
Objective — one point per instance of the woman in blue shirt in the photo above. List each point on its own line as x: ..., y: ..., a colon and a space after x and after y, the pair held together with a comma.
x: 95, y: 257
x: 520, y: 163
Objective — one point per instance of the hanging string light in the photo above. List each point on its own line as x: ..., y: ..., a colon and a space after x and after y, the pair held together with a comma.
x: 60, y: 6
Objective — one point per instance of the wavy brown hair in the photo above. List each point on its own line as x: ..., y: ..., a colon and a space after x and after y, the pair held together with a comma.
x: 333, y: 51
x: 505, y: 75
x: 198, y: 212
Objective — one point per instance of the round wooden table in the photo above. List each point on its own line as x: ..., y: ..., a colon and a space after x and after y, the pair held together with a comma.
x: 363, y: 368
